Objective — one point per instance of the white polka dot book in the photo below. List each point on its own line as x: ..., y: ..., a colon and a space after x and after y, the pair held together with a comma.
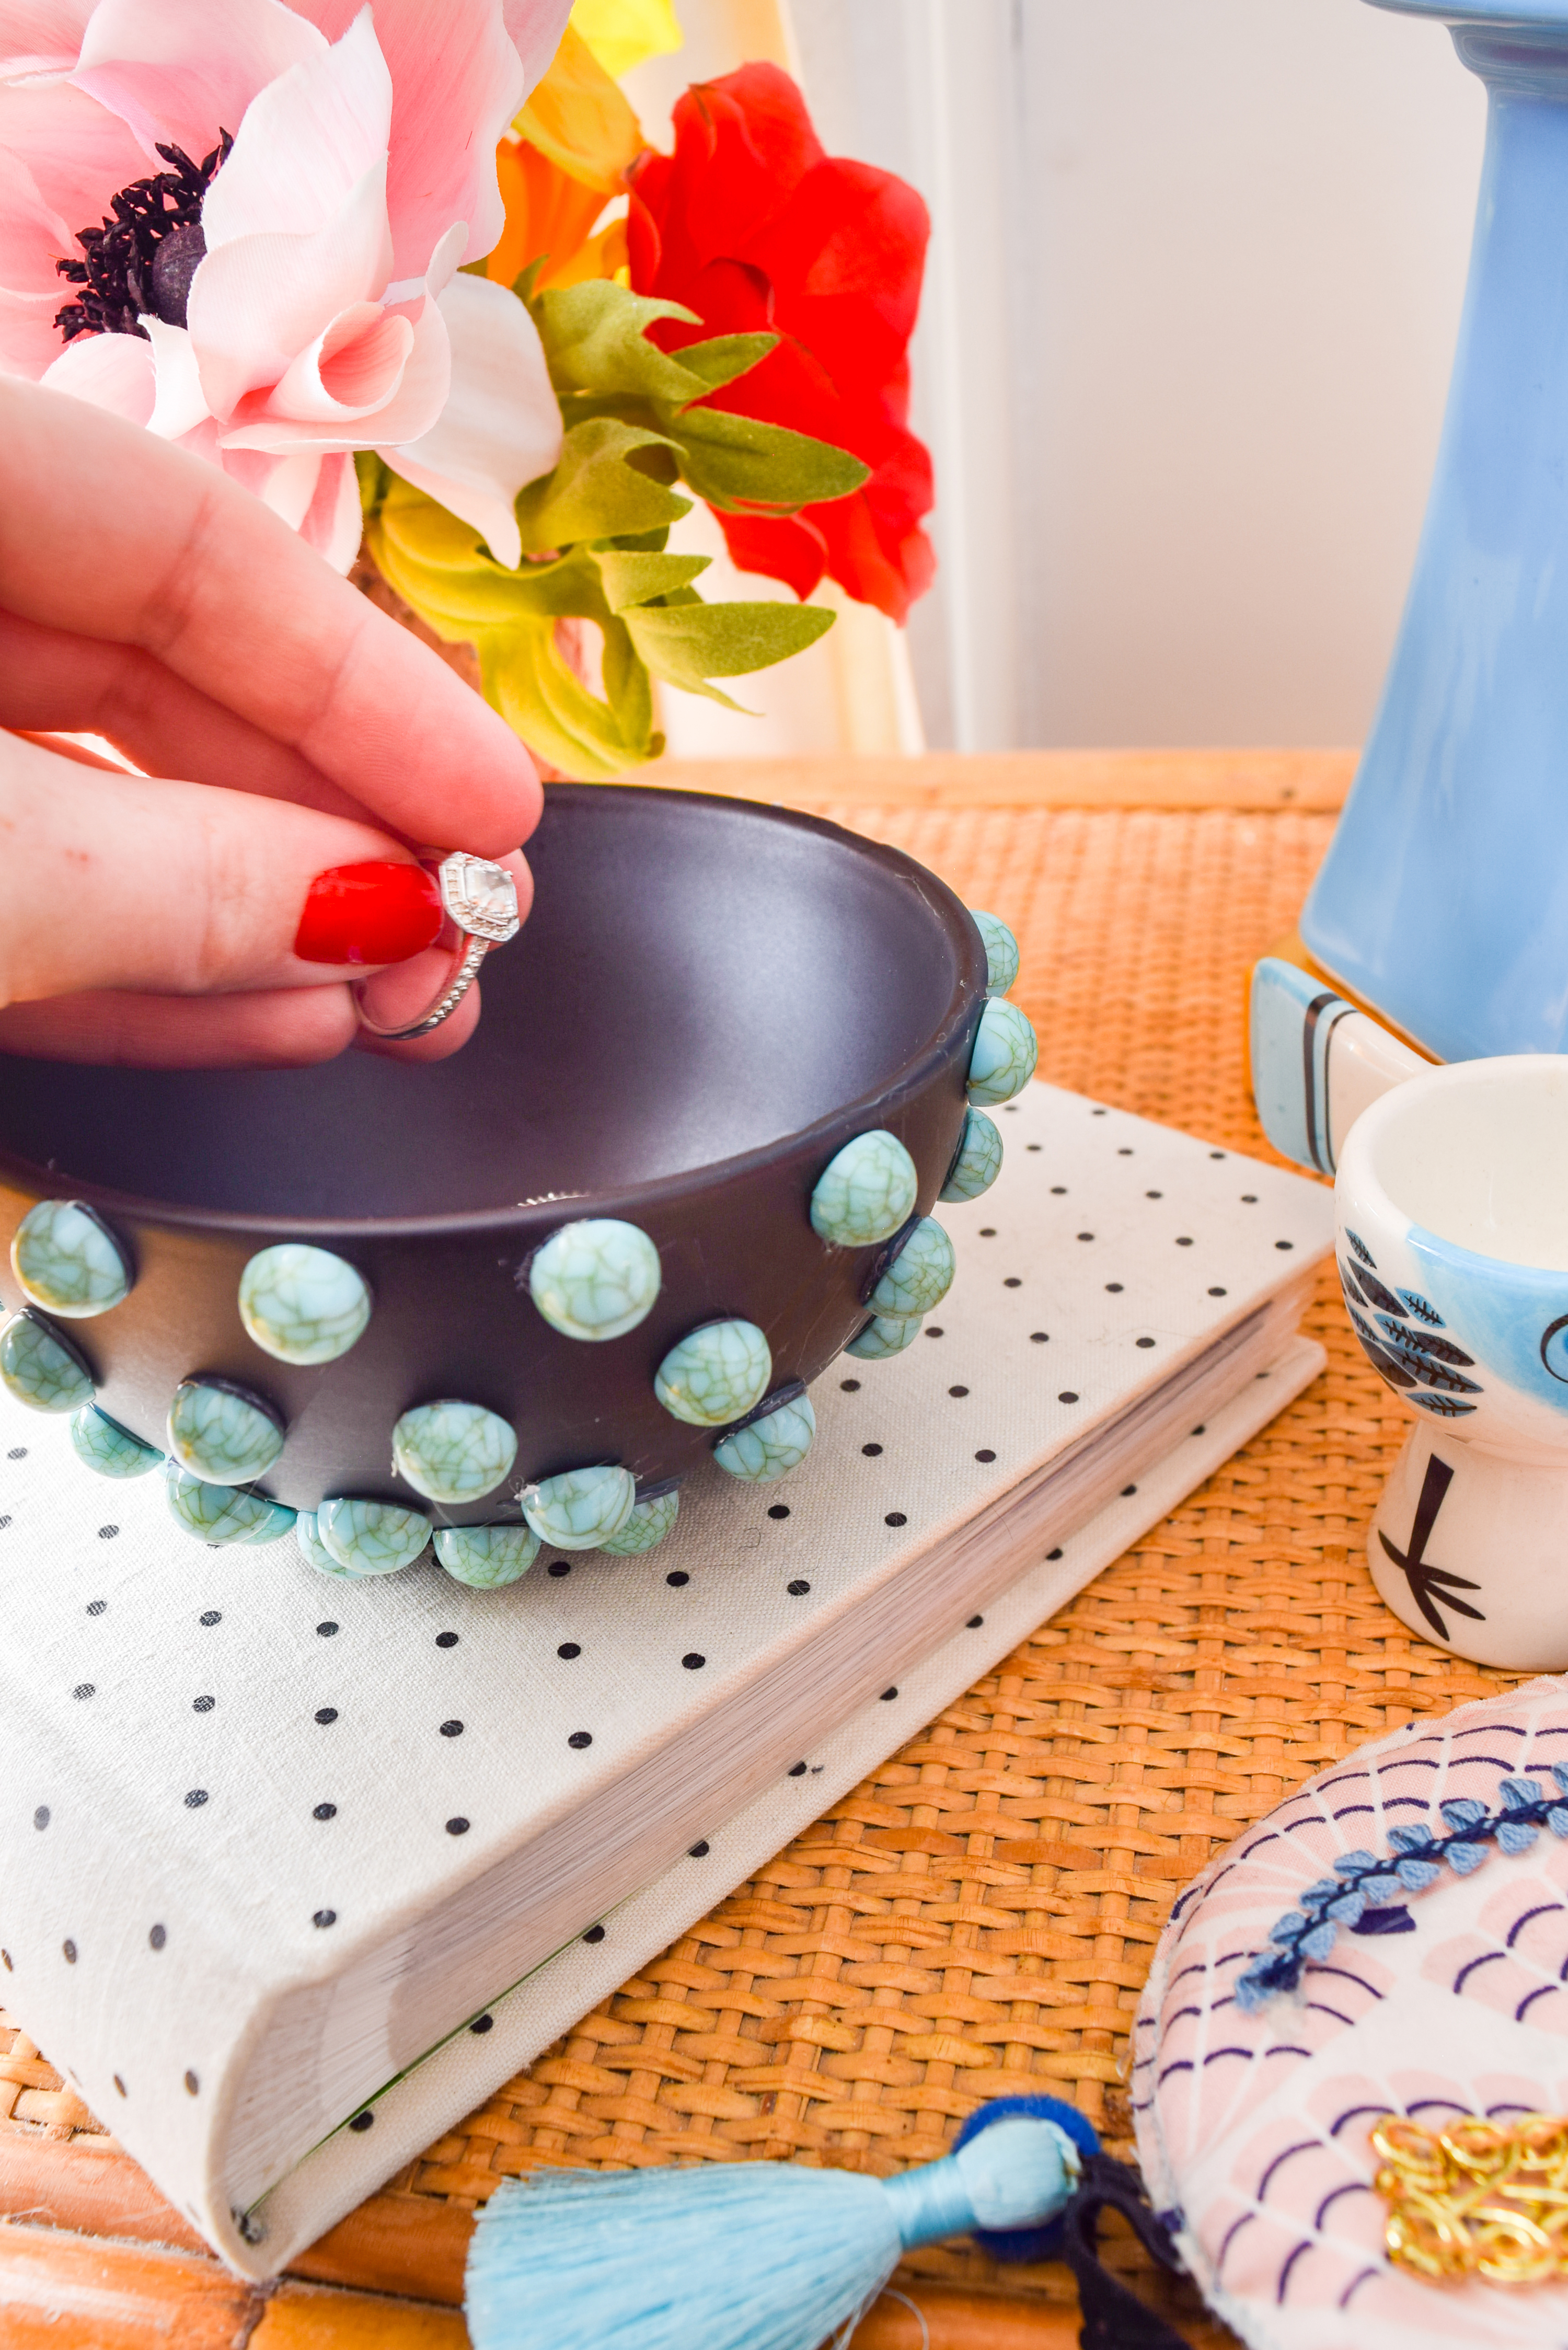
x: 296, y: 1869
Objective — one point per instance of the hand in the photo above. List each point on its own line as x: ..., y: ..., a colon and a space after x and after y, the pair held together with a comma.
x: 285, y: 728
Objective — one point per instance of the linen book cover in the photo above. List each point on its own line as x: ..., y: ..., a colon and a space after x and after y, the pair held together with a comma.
x: 271, y: 1843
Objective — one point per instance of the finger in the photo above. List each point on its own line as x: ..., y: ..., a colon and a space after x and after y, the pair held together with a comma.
x: 441, y: 1043
x: 128, y: 881
x: 281, y: 1030
x: 107, y: 532
x: 52, y: 683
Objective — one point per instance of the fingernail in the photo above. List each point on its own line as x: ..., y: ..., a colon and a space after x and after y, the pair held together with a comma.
x: 375, y: 913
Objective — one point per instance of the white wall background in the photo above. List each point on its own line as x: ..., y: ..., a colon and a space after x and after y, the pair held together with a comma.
x: 1194, y: 282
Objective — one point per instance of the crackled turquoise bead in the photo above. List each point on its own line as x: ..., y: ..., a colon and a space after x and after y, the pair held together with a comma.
x: 485, y: 1558
x: 596, y: 1279
x: 979, y: 1160
x: 41, y: 1368
x: 68, y: 1259
x: 646, y: 1528
x: 866, y: 1192
x: 920, y: 1274
x: 716, y: 1374
x: 371, y: 1537
x: 112, y: 1450
x: 222, y: 1513
x: 1001, y: 951
x: 1005, y: 1051
x: 219, y: 1432
x: 453, y: 1452
x: 883, y: 1334
x: 582, y: 1508
x: 769, y: 1447
x: 303, y: 1305
x: 313, y: 1549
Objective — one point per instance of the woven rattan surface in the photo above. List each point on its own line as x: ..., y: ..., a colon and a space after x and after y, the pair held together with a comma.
x: 889, y: 1972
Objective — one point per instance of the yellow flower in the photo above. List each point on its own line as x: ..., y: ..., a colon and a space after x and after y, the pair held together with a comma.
x: 566, y: 159
x: 622, y: 33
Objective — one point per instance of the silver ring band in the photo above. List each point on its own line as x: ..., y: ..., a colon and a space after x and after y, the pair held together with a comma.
x: 479, y: 899
x: 462, y: 978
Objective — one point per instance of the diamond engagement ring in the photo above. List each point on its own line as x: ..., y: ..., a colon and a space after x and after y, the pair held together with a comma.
x: 480, y: 900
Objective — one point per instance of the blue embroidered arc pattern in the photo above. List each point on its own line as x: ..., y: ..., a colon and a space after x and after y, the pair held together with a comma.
x: 1402, y: 1349
x: 1363, y: 1882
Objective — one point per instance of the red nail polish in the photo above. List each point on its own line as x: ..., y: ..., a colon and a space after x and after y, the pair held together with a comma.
x: 375, y: 913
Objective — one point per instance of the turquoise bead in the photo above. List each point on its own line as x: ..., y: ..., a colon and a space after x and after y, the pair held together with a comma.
x: 1005, y: 1051
x: 485, y: 1558
x: 716, y: 1374
x: 219, y: 1432
x: 303, y: 1305
x: 41, y: 1368
x: 866, y: 1192
x: 596, y: 1279
x: 885, y: 1334
x: 371, y: 1537
x: 920, y: 1274
x: 769, y: 1447
x: 111, y: 1449
x: 68, y: 1259
x: 312, y: 1548
x: 222, y: 1513
x: 582, y: 1508
x: 979, y: 1160
x: 1001, y: 951
x: 645, y: 1529
x: 453, y: 1452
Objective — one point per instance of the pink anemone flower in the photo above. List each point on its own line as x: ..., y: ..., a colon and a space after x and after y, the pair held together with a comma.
x: 241, y: 224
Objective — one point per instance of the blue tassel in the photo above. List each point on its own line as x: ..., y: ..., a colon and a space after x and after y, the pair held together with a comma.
x: 750, y: 2255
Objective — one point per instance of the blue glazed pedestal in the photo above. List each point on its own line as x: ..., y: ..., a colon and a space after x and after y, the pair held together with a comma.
x: 1443, y: 901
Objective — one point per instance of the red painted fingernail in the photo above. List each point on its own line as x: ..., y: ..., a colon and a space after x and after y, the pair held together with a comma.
x: 375, y: 913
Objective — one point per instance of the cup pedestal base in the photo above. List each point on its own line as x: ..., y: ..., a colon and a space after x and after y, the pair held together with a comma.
x: 1469, y: 1548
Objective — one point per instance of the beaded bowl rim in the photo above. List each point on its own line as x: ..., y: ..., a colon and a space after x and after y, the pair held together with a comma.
x: 629, y: 1201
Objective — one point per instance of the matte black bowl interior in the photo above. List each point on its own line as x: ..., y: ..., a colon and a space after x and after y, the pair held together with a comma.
x: 709, y: 998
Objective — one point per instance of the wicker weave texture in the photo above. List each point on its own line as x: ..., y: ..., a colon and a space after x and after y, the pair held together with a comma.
x: 978, y: 1917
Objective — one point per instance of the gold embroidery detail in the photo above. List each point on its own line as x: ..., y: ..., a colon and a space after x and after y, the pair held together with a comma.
x: 1478, y: 2199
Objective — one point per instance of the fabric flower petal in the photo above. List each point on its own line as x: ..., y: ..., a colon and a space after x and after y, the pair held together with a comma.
x: 179, y: 406
x: 459, y: 78
x: 306, y: 143
x: 74, y: 155
x: 501, y: 427
x: 257, y: 302
x: 334, y: 523
x: 413, y: 399
x: 41, y: 36
x: 181, y: 70
x: 351, y: 370
x: 290, y: 487
x: 113, y: 372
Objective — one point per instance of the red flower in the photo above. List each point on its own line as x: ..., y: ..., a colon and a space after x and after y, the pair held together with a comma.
x: 751, y: 225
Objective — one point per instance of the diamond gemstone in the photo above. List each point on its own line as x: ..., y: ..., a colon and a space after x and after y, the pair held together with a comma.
x: 481, y: 898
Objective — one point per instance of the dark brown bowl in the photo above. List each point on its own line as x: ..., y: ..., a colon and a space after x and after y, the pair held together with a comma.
x: 709, y: 999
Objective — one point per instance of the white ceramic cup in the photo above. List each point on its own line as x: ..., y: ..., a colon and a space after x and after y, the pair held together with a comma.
x: 1452, y: 1212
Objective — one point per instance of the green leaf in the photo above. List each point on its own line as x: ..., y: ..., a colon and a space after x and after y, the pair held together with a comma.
x: 594, y: 340
x: 530, y: 685
x: 688, y: 643
x: 373, y: 479
x: 638, y: 579
x: 595, y: 492
x: 724, y: 356
x: 441, y: 566
x: 737, y: 461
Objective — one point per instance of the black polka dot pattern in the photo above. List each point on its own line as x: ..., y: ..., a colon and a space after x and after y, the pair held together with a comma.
x: 900, y: 1437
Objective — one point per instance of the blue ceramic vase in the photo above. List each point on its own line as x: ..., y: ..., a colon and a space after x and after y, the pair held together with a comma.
x: 1443, y: 901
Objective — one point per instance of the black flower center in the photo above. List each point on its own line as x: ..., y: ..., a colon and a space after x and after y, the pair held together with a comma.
x: 146, y: 256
